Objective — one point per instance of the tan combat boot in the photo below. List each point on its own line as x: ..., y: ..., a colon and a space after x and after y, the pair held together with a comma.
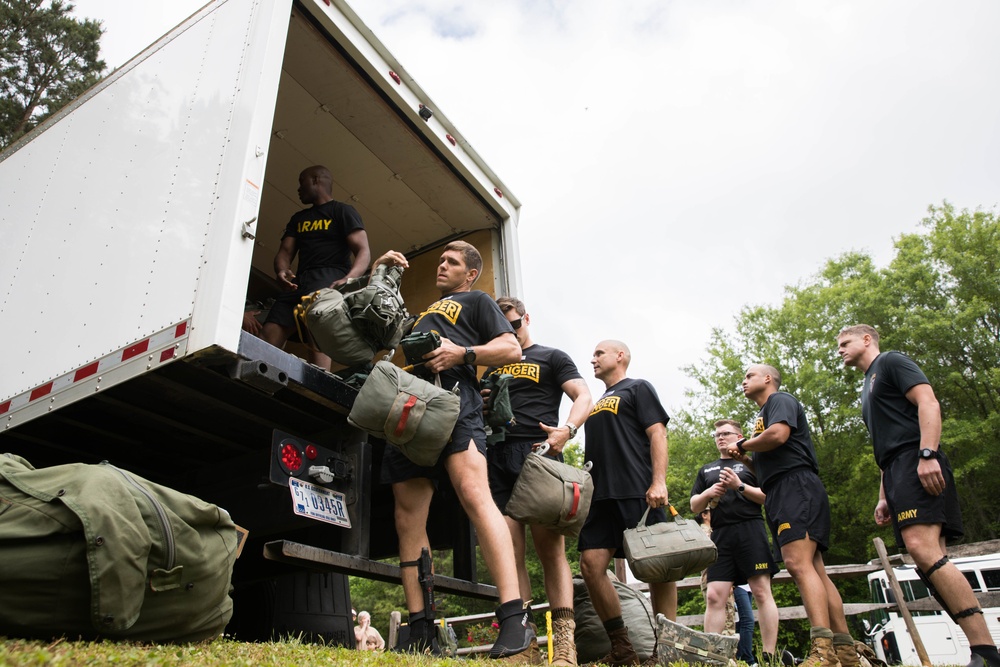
x: 563, y: 642
x: 847, y: 654
x: 622, y: 652
x: 821, y: 654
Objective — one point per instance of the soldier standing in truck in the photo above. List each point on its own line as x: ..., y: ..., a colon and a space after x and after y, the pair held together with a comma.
x: 325, y: 236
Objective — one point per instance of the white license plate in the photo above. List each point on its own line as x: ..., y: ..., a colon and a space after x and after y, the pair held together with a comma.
x: 317, y: 502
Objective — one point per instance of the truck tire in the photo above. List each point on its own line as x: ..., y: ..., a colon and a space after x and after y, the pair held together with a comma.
x: 312, y: 606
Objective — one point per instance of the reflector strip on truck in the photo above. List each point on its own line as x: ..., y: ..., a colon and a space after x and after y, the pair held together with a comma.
x: 107, y: 371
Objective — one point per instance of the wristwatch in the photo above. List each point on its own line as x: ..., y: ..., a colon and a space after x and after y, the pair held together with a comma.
x: 927, y: 453
x: 741, y: 488
x: 739, y: 445
x: 470, y: 355
x: 572, y: 429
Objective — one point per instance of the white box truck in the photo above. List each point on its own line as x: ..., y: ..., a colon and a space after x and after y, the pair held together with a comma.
x: 138, y: 221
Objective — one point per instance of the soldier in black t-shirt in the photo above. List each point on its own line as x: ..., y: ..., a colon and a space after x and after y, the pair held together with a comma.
x: 627, y: 443
x: 729, y: 487
x: 798, y: 510
x: 473, y: 331
x: 918, y: 494
x: 540, y: 379
x: 324, y: 237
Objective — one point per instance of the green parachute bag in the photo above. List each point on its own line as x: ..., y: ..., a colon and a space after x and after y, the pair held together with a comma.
x: 93, y: 551
x: 497, y: 411
x: 411, y: 414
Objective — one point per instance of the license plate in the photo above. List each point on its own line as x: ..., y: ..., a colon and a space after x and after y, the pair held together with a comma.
x: 317, y: 502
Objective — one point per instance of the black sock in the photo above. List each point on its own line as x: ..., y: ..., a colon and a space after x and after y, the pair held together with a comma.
x: 612, y: 624
x: 987, y: 652
x: 514, y: 636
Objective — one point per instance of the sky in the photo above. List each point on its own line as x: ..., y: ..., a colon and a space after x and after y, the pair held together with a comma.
x: 679, y: 161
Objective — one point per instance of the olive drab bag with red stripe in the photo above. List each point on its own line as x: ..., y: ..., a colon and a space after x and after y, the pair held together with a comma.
x: 409, y: 413
x: 552, y: 494
x: 94, y: 551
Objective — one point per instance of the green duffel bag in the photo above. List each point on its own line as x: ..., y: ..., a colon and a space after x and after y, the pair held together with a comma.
x: 667, y: 551
x: 328, y: 319
x: 409, y: 413
x: 94, y: 551
x: 552, y: 494
x: 591, y: 638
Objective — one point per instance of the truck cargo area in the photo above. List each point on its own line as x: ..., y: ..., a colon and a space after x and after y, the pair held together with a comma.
x: 205, y: 417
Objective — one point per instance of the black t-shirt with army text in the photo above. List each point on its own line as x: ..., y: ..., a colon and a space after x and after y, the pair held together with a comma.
x: 536, y: 389
x: 733, y: 507
x: 617, y: 442
x: 320, y: 234
x: 891, y: 419
x: 797, y: 452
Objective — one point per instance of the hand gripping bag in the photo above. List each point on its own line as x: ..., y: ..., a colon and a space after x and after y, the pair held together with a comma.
x: 409, y: 413
x: 94, y: 551
x: 667, y: 551
x: 551, y: 494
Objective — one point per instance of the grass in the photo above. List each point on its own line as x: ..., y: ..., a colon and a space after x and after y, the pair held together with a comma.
x: 221, y: 652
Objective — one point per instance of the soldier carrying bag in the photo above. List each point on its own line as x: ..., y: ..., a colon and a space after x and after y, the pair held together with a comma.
x: 667, y: 551
x: 552, y: 494
x: 94, y: 551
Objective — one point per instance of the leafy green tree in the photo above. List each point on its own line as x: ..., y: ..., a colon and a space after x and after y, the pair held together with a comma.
x: 47, y: 58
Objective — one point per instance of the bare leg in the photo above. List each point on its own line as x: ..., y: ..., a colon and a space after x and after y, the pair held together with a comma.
x: 594, y: 566
x: 767, y: 611
x: 551, y: 549
x: 467, y: 471
x: 716, y: 596
x: 926, y: 545
x: 799, y: 560
x: 664, y: 599
x: 413, y: 500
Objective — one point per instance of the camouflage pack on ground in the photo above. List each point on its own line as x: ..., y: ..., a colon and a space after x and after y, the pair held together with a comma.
x: 677, y: 643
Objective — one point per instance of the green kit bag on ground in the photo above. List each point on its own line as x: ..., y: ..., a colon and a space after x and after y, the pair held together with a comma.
x: 95, y: 551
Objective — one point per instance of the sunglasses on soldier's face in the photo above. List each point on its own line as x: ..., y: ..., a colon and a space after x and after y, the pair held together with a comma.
x: 516, y: 324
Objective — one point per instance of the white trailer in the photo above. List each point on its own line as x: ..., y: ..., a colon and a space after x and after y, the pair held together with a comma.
x: 943, y: 640
x: 137, y: 221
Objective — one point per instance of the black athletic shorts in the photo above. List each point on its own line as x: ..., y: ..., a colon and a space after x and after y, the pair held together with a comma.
x: 608, y: 519
x: 910, y: 504
x: 308, y: 282
x: 744, y: 552
x: 397, y: 468
x: 797, y: 506
x: 504, y: 461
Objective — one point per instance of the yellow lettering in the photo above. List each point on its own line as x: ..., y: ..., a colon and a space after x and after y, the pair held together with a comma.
x: 521, y: 370
x: 760, y: 566
x: 783, y: 527
x: 326, y: 224
x: 906, y: 514
x: 608, y: 403
x: 447, y: 308
x: 758, y: 426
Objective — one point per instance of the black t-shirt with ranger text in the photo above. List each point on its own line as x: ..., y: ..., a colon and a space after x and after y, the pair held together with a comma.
x: 890, y: 417
x: 797, y: 452
x: 536, y: 389
x: 617, y: 442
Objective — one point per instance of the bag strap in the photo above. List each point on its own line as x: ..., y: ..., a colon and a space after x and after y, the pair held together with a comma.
x: 299, y: 315
x: 673, y: 512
